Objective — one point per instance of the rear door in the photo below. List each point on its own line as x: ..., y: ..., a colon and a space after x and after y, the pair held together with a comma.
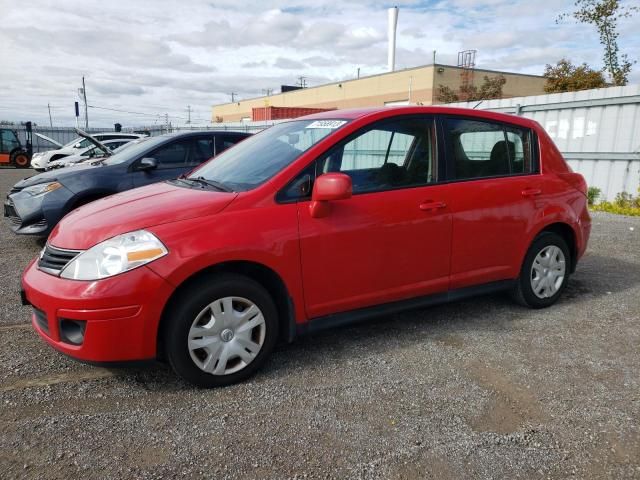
x: 495, y: 191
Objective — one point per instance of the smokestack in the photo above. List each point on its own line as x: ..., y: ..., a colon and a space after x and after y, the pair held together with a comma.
x: 393, y: 23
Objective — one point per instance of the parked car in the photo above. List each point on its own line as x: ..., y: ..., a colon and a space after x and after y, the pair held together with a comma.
x: 91, y: 152
x: 310, y: 224
x: 36, y: 204
x: 39, y: 161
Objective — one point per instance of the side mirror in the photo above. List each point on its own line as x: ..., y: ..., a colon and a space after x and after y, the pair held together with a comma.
x: 147, y: 164
x: 326, y: 188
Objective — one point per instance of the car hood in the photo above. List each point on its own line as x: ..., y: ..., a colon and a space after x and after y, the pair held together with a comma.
x: 51, y: 176
x: 133, y: 210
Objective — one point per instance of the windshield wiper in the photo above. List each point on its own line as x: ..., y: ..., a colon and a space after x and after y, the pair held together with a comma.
x: 212, y: 183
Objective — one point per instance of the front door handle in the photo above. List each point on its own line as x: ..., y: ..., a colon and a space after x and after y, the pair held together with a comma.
x: 432, y: 206
x: 531, y: 192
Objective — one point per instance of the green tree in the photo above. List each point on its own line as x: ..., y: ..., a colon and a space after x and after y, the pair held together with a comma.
x: 567, y: 77
x: 446, y: 95
x: 491, y: 88
x: 604, y: 15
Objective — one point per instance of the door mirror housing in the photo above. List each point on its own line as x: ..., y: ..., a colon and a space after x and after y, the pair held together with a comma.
x: 329, y: 187
x: 147, y: 164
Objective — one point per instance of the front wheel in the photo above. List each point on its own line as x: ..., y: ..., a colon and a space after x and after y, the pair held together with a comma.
x: 220, y: 332
x: 545, y: 272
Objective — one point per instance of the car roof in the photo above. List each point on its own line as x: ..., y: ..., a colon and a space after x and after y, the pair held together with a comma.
x: 357, y: 113
x: 205, y: 132
x: 124, y: 134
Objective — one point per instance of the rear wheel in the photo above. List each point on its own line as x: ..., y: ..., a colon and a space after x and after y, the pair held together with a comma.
x: 545, y: 272
x: 20, y: 160
x: 221, y: 332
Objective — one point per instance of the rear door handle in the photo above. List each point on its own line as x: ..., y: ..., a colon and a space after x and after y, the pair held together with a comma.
x: 531, y: 192
x: 432, y: 206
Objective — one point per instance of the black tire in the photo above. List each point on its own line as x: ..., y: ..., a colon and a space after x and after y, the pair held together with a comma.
x: 523, y: 291
x: 191, y: 302
x: 20, y: 160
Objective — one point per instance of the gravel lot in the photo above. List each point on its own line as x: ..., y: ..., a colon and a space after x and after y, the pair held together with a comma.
x: 477, y: 389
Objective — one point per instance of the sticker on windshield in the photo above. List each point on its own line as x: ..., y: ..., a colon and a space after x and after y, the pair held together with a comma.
x: 331, y: 124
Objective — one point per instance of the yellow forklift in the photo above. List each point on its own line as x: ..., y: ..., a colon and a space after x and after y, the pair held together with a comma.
x: 11, y: 151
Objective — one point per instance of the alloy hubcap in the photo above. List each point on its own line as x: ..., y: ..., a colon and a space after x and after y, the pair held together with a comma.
x: 548, y: 271
x: 227, y: 335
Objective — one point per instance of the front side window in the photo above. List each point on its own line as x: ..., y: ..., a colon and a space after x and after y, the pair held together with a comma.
x: 202, y: 150
x: 172, y: 155
x: 385, y: 156
x: 479, y: 149
x: 391, y: 154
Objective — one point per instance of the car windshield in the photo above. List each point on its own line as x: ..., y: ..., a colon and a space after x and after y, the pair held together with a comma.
x: 122, y: 154
x: 129, y: 144
x: 72, y: 142
x: 258, y: 158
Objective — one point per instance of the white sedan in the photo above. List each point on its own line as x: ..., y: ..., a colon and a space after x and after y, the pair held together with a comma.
x: 40, y: 161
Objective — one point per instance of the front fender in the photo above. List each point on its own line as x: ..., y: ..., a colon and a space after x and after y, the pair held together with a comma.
x: 267, y: 236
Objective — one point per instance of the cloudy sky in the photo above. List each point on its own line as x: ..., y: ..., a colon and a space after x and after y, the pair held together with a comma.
x: 153, y: 57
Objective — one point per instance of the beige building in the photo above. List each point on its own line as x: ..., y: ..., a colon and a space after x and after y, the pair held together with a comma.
x: 417, y: 85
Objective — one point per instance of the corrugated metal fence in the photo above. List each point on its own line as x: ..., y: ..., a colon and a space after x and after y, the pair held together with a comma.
x: 597, y: 131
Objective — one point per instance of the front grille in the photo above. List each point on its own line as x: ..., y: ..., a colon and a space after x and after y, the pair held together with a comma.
x: 53, y: 259
x: 41, y: 319
x: 11, y: 214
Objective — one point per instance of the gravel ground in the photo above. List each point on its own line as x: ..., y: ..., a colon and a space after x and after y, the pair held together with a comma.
x: 477, y: 389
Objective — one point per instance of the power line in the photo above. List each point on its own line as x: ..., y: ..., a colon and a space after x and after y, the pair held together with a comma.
x: 157, y: 115
x: 126, y: 111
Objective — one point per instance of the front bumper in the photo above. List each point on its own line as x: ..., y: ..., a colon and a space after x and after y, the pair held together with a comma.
x: 39, y: 163
x: 120, y: 315
x: 29, y: 215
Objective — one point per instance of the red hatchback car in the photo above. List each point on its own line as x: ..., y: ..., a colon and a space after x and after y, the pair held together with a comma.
x: 310, y: 224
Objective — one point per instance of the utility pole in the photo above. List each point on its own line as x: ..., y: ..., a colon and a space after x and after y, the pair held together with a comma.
x: 166, y: 121
x: 303, y: 81
x: 188, y: 114
x: 50, y: 121
x: 267, y: 91
x: 358, y: 72
x: 233, y: 97
x: 86, y: 108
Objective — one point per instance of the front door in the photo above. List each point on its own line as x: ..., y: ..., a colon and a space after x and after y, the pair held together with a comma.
x: 391, y: 240
x: 172, y: 160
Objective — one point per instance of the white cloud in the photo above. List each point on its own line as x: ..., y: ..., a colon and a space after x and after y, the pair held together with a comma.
x: 159, y: 56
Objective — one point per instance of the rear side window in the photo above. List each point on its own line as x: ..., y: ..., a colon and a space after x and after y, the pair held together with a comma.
x: 479, y: 149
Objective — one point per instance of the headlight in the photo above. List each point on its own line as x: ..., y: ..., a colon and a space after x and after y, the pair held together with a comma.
x: 116, y: 255
x: 42, y: 188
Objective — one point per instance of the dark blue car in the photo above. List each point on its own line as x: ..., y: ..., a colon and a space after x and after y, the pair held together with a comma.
x: 36, y: 204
